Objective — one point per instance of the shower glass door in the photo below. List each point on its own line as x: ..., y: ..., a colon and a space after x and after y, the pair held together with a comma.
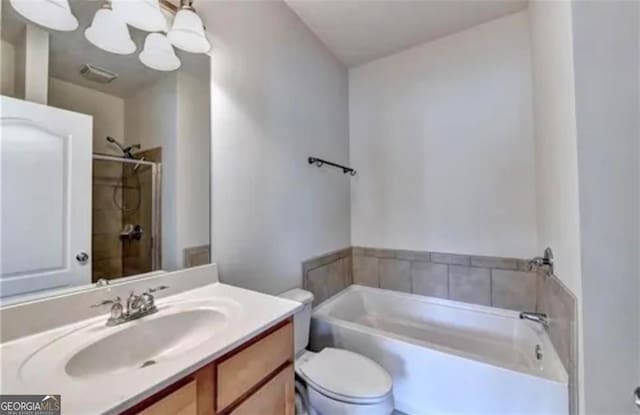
x: 125, y: 217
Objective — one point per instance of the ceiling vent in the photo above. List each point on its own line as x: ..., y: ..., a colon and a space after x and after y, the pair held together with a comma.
x: 97, y: 74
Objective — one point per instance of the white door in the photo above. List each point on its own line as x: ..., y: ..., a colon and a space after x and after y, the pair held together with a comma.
x: 45, y: 197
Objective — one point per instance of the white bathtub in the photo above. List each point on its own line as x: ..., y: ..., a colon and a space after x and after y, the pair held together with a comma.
x: 446, y: 357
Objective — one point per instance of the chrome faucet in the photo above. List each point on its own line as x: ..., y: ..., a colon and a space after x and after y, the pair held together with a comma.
x: 136, y: 306
x: 545, y: 261
x: 541, y: 318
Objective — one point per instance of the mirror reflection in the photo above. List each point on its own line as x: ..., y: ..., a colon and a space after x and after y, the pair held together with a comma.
x: 117, y: 145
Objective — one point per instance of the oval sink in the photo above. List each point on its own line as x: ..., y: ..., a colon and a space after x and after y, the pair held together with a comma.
x: 146, y: 342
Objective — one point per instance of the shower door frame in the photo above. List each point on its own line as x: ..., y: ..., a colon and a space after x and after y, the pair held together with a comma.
x: 156, y: 197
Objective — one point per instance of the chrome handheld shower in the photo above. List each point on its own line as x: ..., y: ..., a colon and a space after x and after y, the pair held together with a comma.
x: 126, y: 151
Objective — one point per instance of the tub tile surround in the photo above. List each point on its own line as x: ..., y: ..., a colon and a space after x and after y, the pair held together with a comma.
x: 557, y: 301
x: 495, y: 281
x: 470, y: 284
x: 430, y: 279
x: 328, y: 274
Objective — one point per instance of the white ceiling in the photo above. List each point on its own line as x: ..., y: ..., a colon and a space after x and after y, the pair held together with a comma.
x: 359, y: 31
x: 69, y: 50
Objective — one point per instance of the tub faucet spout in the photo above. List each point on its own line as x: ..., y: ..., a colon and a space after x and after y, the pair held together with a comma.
x: 541, y: 318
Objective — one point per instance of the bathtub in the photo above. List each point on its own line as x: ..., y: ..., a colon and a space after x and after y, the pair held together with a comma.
x: 446, y: 357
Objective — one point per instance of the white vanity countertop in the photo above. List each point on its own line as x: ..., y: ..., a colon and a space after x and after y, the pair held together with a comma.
x: 114, y: 392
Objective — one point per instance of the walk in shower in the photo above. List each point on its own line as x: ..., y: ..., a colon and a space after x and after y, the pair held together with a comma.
x: 126, y: 213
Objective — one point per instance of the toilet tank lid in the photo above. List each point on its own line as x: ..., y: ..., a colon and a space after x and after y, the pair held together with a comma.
x: 299, y: 295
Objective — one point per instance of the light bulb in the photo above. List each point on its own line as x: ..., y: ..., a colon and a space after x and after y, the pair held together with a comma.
x: 52, y: 14
x: 158, y: 53
x: 141, y: 14
x: 188, y: 33
x: 109, y: 32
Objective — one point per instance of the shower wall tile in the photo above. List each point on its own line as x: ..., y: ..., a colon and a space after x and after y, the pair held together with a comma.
x: 106, y: 249
x: 105, y: 246
x: 395, y: 274
x: 138, y: 192
x: 107, y: 268
x: 515, y: 290
x: 471, y: 285
x: 107, y: 221
x: 430, y: 279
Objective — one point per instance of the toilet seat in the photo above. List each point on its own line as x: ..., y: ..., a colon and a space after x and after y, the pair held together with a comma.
x: 346, y: 376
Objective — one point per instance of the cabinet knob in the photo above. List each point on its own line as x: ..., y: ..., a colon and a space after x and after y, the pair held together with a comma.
x: 82, y: 258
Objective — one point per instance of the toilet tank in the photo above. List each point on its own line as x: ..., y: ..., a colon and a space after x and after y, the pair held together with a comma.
x: 302, y: 318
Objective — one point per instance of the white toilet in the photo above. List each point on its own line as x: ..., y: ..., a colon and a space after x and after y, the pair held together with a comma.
x: 336, y: 381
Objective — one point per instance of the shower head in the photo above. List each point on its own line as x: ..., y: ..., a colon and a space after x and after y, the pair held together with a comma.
x: 125, y: 150
x: 116, y: 142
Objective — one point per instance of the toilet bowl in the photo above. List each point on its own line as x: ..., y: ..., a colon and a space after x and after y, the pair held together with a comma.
x: 336, y: 381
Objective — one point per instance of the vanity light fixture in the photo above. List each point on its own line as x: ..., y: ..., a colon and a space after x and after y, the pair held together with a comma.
x: 109, y: 32
x: 187, y: 32
x: 141, y: 14
x: 158, y: 53
x: 52, y: 14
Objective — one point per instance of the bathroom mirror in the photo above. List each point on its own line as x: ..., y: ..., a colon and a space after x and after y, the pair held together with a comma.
x: 140, y: 202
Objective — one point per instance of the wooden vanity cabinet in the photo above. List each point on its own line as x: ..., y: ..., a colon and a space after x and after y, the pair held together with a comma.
x: 256, y: 378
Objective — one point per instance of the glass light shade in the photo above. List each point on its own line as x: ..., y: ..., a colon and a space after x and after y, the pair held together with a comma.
x: 158, y: 53
x: 187, y: 32
x: 52, y: 14
x: 109, y: 32
x: 141, y: 14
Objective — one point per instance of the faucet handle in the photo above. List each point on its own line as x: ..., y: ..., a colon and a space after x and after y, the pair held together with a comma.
x: 106, y: 302
x: 158, y: 288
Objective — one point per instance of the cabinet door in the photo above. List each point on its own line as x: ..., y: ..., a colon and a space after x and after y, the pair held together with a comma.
x: 276, y: 397
x: 181, y: 402
x: 45, y: 197
x: 246, y: 368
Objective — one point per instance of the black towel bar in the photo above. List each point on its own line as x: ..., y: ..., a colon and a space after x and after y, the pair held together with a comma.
x: 320, y: 162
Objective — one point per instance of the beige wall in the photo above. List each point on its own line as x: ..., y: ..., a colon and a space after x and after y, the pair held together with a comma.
x: 193, y: 159
x: 555, y: 137
x: 606, y: 49
x: 278, y: 96
x: 174, y: 114
x: 151, y: 121
x: 107, y: 111
x: 442, y: 137
x: 7, y: 62
x: 556, y: 148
